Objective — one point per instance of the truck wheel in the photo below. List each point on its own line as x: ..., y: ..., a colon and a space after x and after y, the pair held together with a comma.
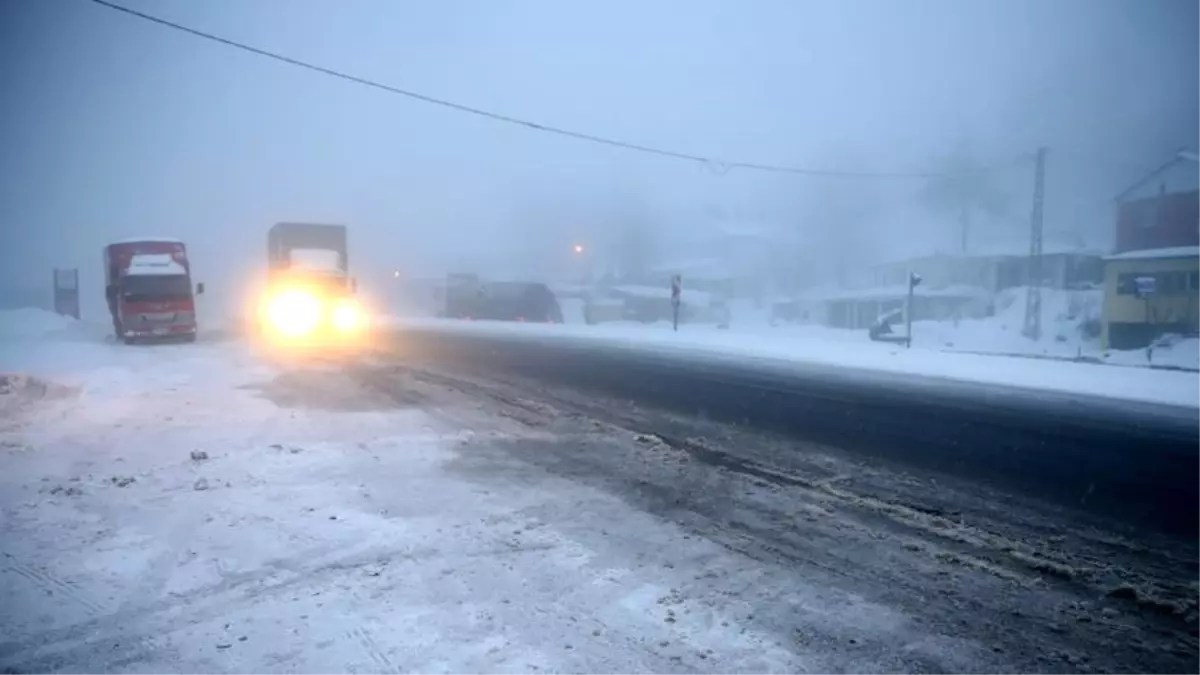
x: 129, y: 340
x: 188, y: 339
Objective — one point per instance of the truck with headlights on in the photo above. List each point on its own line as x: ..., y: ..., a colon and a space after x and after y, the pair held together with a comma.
x: 310, y: 302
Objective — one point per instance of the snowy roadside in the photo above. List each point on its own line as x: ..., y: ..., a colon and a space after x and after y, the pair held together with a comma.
x: 187, y: 508
x: 190, y: 508
x: 1179, y: 388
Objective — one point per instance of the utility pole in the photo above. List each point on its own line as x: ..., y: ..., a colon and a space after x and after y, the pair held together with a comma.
x: 1033, y: 292
x: 676, y: 300
x: 964, y: 225
x: 913, y: 280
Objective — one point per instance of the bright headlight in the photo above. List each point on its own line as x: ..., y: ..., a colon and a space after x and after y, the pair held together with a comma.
x: 348, y: 317
x: 294, y: 312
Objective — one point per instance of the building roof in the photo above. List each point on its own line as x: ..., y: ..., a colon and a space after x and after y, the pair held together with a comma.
x: 1179, y: 158
x: 990, y: 253
x: 1158, y: 253
x: 663, y: 293
x: 893, y: 293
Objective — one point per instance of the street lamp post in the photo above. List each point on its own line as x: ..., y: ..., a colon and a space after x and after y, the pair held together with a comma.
x: 578, y: 250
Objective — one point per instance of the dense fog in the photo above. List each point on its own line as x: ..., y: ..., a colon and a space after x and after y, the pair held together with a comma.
x: 896, y: 122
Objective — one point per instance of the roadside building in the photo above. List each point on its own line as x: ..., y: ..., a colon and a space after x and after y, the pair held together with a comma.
x: 1152, y: 279
x: 859, y: 308
x: 1134, y: 318
x: 953, y: 286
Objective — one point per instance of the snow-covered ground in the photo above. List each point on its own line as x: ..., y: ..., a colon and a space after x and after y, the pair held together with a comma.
x: 193, y: 508
x: 189, y: 508
x: 1066, y: 318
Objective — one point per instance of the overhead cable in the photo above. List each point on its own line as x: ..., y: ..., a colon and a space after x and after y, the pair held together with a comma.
x: 717, y: 165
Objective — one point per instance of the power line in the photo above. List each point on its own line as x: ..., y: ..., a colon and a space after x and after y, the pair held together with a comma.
x: 720, y: 166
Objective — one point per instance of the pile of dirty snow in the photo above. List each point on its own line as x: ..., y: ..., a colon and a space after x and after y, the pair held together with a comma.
x: 28, y: 322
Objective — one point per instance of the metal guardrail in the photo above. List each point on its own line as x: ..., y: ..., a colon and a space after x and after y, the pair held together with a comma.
x: 1136, y: 461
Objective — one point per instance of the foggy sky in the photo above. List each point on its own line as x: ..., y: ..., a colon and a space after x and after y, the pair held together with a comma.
x: 114, y: 127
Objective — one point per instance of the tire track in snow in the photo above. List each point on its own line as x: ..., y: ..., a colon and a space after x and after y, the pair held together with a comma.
x: 382, y: 663
x: 238, y: 591
x: 51, y: 583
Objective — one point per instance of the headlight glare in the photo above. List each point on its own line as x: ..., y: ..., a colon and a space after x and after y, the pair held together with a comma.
x: 294, y: 313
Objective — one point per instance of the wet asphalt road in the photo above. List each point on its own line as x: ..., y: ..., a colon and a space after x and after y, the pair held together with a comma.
x: 1134, y: 462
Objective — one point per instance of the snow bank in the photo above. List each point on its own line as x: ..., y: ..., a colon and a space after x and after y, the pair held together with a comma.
x: 31, y: 323
x: 1137, y: 384
x: 1070, y: 326
x: 572, y: 310
x: 1172, y: 352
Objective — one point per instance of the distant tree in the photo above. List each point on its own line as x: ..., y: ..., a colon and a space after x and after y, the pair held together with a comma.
x: 964, y: 188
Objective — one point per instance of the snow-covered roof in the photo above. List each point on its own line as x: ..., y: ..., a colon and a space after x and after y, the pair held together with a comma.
x: 154, y: 263
x: 1158, y: 253
x: 996, y: 250
x: 895, y: 292
x: 140, y: 240
x: 660, y: 293
x: 1048, y: 248
x: 1179, y: 174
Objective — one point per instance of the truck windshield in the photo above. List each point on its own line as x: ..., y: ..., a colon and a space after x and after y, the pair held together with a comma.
x: 315, y: 260
x: 150, y: 287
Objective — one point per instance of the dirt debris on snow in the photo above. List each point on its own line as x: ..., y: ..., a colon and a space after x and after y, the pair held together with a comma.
x: 66, y: 490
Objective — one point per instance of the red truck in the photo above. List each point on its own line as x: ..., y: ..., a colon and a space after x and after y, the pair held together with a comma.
x: 148, y: 285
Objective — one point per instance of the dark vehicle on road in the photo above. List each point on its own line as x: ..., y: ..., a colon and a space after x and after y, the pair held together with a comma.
x: 518, y: 301
x: 463, y: 295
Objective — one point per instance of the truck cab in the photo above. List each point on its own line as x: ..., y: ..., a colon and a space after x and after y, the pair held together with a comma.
x: 148, y: 289
x: 311, y: 299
